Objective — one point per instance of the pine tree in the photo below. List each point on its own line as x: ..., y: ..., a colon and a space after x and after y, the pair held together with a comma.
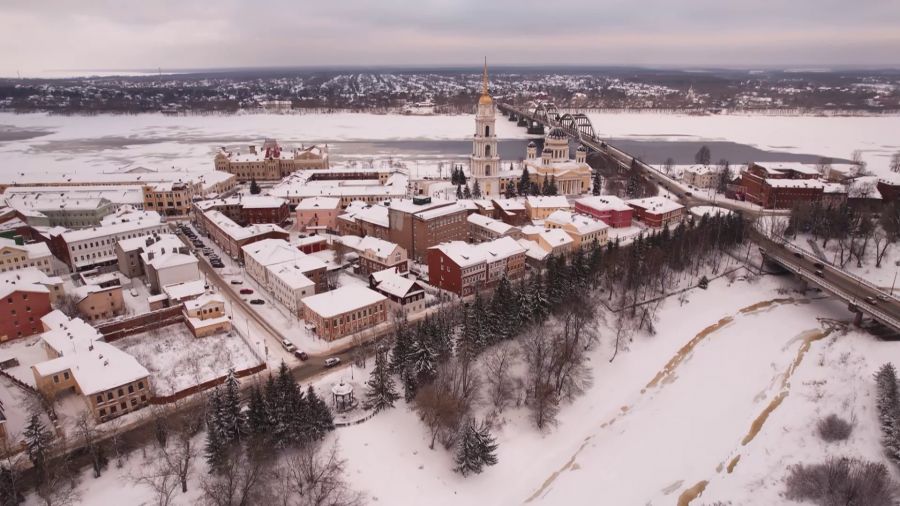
x: 551, y: 187
x: 462, y: 177
x: 475, y: 450
x: 403, y: 341
x: 382, y: 391
x: 545, y: 186
x: 257, y: 414
x: 597, y: 186
x: 321, y: 420
x: 285, y: 404
x: 540, y: 304
x: 254, y: 187
x: 459, y: 191
x: 476, y: 190
x: 37, y: 444
x: 467, y: 192
x: 887, y: 402
x: 510, y: 191
x: 233, y: 422
x: 454, y: 176
x: 410, y: 387
x: 525, y: 182
x: 422, y: 360
x: 216, y: 450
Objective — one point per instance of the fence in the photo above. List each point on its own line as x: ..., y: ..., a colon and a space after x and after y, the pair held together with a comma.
x: 113, y: 331
x: 181, y: 394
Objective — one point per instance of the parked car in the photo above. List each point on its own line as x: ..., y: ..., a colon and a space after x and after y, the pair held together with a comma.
x: 287, y: 345
x: 798, y: 254
x: 237, y: 281
x: 257, y: 302
x: 883, y: 298
x: 301, y: 355
x: 331, y: 362
x: 820, y: 274
x: 133, y: 292
x: 218, y: 265
x: 871, y: 300
x: 819, y: 265
x: 246, y: 291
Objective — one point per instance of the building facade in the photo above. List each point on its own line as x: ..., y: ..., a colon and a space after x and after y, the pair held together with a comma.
x: 344, y: 311
x: 169, y: 198
x: 611, y: 210
x: 270, y: 162
x: 463, y: 269
x: 657, y: 212
x: 15, y: 256
x: 484, y: 164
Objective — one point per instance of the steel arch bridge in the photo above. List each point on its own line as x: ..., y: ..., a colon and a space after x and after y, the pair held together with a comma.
x: 544, y: 112
x: 577, y: 125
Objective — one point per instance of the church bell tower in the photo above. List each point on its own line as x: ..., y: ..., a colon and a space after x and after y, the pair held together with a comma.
x: 485, y: 162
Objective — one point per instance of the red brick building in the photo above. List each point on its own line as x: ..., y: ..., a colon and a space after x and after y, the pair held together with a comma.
x: 463, y: 268
x: 780, y: 186
x: 607, y: 208
x: 420, y: 223
x: 249, y: 210
x: 21, y: 307
x: 657, y: 212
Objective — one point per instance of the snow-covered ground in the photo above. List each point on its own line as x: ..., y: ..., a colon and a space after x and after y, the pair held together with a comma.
x: 177, y: 360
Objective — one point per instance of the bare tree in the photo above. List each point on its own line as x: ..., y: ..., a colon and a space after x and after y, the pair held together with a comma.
x: 444, y: 403
x: 857, y: 159
x: 895, y: 162
x: 89, y: 437
x: 240, y: 481
x: 159, y: 478
x: 314, y: 477
x: 179, y: 455
x: 68, y: 304
x: 543, y: 401
x: 668, y: 165
x: 340, y: 251
x: 497, y: 363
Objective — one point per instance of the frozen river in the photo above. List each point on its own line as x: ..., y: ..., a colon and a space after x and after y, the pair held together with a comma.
x: 41, y: 142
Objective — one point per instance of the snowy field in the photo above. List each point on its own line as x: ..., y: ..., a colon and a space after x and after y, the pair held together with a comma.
x: 112, y: 142
x: 177, y: 360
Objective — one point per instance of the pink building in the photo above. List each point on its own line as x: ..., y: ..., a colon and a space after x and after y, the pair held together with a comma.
x: 611, y: 210
x: 318, y: 213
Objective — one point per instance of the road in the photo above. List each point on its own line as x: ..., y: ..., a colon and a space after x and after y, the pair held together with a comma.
x: 861, y: 294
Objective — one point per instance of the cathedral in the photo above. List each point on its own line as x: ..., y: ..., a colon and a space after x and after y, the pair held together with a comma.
x: 572, y: 177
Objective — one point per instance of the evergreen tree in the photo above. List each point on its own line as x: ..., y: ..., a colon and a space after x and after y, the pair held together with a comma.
x: 462, y: 177
x: 597, y: 186
x: 525, y: 182
x: 10, y: 495
x: 535, y: 189
x: 551, y: 187
x: 540, y: 304
x: 410, y: 387
x: 37, y: 444
x: 724, y: 176
x: 510, y: 191
x: 233, y: 421
x: 459, y: 191
x: 454, y: 176
x: 476, y: 449
x: 254, y: 187
x: 286, y: 407
x: 382, y: 391
x: 467, y: 192
x: 887, y: 402
x: 476, y: 190
x: 216, y: 450
x: 545, y: 186
x: 321, y: 420
x: 703, y: 156
x: 403, y: 342
x: 257, y: 414
x: 422, y: 360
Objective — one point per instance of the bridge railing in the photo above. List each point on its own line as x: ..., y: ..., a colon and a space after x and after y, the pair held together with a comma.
x: 849, y: 298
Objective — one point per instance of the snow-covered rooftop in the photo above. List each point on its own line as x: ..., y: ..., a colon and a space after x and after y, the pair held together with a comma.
x: 551, y: 202
x: 342, y: 300
x: 604, y: 203
x: 464, y: 254
x: 657, y: 205
x: 391, y: 282
x: 314, y: 203
x: 29, y: 279
x: 496, y: 226
x: 583, y: 224
x: 180, y: 291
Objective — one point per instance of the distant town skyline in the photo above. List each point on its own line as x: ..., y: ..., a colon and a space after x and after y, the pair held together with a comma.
x: 53, y: 35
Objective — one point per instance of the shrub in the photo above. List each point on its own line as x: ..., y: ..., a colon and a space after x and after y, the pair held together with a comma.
x: 833, y: 428
x: 841, y: 481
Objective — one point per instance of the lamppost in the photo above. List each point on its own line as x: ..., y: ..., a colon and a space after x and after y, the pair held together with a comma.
x: 894, y: 282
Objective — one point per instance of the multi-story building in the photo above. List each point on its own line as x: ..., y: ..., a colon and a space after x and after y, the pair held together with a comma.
x: 657, y: 212
x: 45, y: 209
x: 15, y: 256
x: 25, y: 297
x: 584, y: 230
x: 344, y: 311
x: 483, y: 228
x: 701, y: 176
x: 270, y: 162
x: 554, y: 241
x: 205, y: 182
x: 170, y: 198
x: 780, y: 186
x: 205, y: 315
x: 464, y: 268
x: 232, y: 237
x: 119, y: 194
x: 289, y: 284
x: 91, y: 247
x: 248, y: 210
x: 888, y: 186
x: 571, y: 177
x: 97, y: 303
x: 377, y: 254
x: 404, y: 295
x: 420, y: 223
x: 264, y: 258
x: 511, y: 211
x: 541, y: 207
x: 318, y: 213
x: 610, y: 209
x: 370, y: 186
x: 111, y: 381
x: 164, y: 259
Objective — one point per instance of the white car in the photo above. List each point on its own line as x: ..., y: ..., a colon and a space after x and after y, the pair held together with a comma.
x: 289, y: 346
x: 331, y: 362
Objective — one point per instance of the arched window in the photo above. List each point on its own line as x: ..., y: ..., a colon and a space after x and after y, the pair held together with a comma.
x: 487, y: 150
x: 487, y: 130
x: 487, y: 170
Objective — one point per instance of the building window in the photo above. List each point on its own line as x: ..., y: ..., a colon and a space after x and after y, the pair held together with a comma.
x: 99, y: 399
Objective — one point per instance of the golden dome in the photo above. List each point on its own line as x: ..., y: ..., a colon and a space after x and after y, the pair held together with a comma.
x: 485, y: 100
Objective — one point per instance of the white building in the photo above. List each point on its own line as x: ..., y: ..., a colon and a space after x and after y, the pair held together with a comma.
x: 263, y: 261
x: 701, y: 176
x: 403, y: 294
x: 484, y: 164
x: 585, y: 231
x: 289, y: 285
x: 19, y: 256
x: 96, y: 246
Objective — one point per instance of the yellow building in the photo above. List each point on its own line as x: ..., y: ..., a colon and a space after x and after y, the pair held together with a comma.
x: 270, y: 162
x: 169, y: 199
x: 572, y: 177
x: 206, y: 316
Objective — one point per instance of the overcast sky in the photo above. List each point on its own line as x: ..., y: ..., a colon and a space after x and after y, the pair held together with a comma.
x: 41, y: 35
